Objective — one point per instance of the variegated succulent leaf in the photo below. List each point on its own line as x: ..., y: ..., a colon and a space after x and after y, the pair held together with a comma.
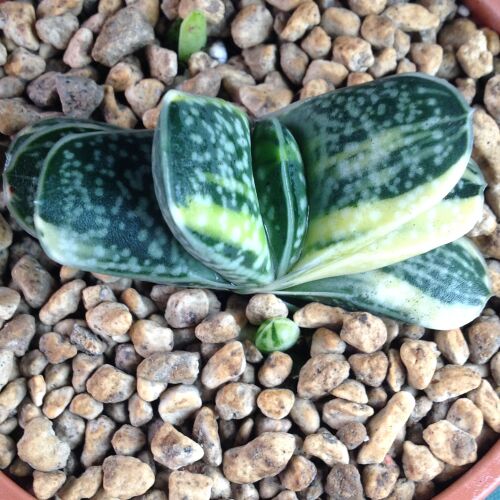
x: 96, y: 210
x: 281, y: 188
x: 450, y: 219
x: 376, y: 156
x: 204, y: 184
x: 442, y: 289
x: 24, y: 161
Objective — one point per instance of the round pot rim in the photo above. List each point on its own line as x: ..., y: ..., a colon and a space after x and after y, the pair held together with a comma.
x: 476, y: 484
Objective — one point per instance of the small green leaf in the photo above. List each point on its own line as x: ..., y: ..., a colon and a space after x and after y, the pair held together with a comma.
x: 376, y: 156
x: 96, y: 211
x: 25, y: 160
x: 204, y: 185
x: 192, y: 35
x: 277, y: 334
x: 442, y: 289
x: 281, y: 187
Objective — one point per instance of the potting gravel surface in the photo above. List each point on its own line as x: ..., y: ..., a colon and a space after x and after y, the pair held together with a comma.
x: 115, y: 389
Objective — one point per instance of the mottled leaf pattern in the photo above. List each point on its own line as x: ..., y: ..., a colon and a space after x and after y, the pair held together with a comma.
x: 25, y: 159
x: 279, y: 178
x: 96, y: 211
x: 203, y: 180
x: 376, y: 156
x: 443, y: 289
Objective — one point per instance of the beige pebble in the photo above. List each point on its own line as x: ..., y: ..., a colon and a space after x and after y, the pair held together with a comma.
x: 379, y: 479
x: 206, y: 433
x: 321, y: 374
x: 162, y: 63
x: 57, y: 348
x: 484, y: 339
x: 337, y: 21
x: 187, y: 308
x: 367, y: 7
x: 370, y: 369
x: 293, y: 61
x: 266, y: 424
x: 83, y: 365
x: 178, y: 403
x: 316, y: 315
x: 219, y: 327
x: 77, y: 53
x: 212, y: 9
x: 173, y: 449
x: 264, y: 456
x: 84, y: 486
x: 412, y: 17
x: 142, y: 97
x: 326, y: 341
x: 452, y: 381
x: 427, y: 56
x: 86, y: 406
x: 305, y: 415
x: 363, y: 331
x: 396, y: 373
x: 466, y: 416
x: 126, y: 477
x: 35, y: 282
x: 344, y: 480
x: 384, y: 428
x: 379, y: 31
x: 7, y: 451
x: 226, y: 365
x: 93, y: 295
x: 46, y: 484
x: 325, y: 446
x: 265, y: 306
x: 260, y: 59
x: 492, y: 97
x: 452, y: 345
x: 275, y: 369
x: 298, y: 474
x: 317, y: 43
x: 385, y: 62
x: 140, y: 412
x: 184, y: 485
x: 450, y: 444
x: 351, y: 390
x: 358, y: 78
x: 24, y: 64
x: 124, y: 74
x: 353, y: 52
x: 116, y: 113
x: 406, y: 66
x: 110, y: 319
x: 41, y: 448
x: 495, y: 368
x: 128, y: 440
x: 139, y: 305
x: 303, y: 18
x: 8, y: 367
x: 335, y: 74
x: 314, y: 88
x: 338, y: 412
x: 488, y: 401
x: 56, y: 401
x: 251, y: 26
x: 419, y: 464
x: 419, y: 358
x: 37, y: 389
x: 70, y: 429
x: 98, y: 435
x: 275, y: 403
x: 18, y: 23
x: 236, y: 400
x: 9, y: 302
x: 57, y: 375
x: 352, y: 434
x: 148, y: 337
x: 206, y: 83
x: 109, y: 385
x: 57, y: 30
x: 474, y: 57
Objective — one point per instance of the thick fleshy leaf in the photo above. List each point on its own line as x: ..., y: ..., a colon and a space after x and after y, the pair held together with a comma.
x: 25, y: 160
x: 376, y: 156
x: 447, y: 221
x: 204, y: 184
x: 96, y: 210
x: 443, y: 289
x: 279, y: 178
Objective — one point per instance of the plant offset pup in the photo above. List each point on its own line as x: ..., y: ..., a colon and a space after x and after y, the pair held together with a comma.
x: 355, y: 198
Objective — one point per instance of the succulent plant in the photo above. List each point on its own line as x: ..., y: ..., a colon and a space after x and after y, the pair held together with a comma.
x: 357, y: 197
